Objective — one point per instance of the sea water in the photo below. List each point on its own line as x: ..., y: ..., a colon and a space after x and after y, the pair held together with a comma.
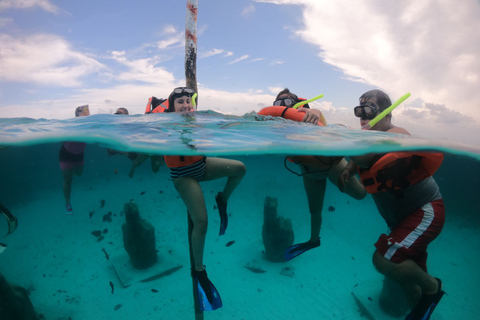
x: 70, y: 273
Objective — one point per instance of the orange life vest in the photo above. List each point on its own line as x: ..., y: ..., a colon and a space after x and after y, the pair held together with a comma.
x: 181, y: 161
x: 398, y: 170
x: 155, y: 105
x: 284, y: 112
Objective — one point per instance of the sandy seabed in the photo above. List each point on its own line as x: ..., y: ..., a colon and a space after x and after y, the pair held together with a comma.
x: 56, y: 257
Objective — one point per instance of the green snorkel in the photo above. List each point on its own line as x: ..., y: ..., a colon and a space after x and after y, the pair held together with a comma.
x: 375, y: 120
x: 301, y: 103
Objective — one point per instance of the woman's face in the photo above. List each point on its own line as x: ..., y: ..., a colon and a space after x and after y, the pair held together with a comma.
x: 183, y: 104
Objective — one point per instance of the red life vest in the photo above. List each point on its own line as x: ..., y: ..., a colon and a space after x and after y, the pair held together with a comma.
x: 181, y: 161
x: 398, y: 170
x: 155, y: 105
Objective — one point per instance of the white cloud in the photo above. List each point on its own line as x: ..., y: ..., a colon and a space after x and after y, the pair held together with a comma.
x: 43, y: 59
x: 26, y: 4
x: 211, y: 53
x: 143, y: 70
x: 240, y: 59
x: 249, y: 10
x: 169, y: 29
x: 176, y: 40
x: 5, y: 21
x: 277, y: 62
x: 429, y: 48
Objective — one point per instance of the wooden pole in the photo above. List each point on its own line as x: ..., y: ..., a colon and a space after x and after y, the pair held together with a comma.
x: 191, y: 82
x: 196, y: 303
x: 191, y: 45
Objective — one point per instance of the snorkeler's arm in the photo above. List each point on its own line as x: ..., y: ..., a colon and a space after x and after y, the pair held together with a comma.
x: 312, y: 116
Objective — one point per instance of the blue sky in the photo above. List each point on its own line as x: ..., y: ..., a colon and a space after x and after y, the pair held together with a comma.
x: 56, y: 55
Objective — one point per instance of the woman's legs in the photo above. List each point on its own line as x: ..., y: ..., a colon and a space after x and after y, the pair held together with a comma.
x: 192, y: 195
x: 67, y: 181
x: 217, y: 168
x: 67, y: 185
x: 315, y: 191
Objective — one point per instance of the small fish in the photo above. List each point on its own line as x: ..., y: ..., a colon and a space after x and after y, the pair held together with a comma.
x: 142, y: 193
x: 118, y: 306
x: 331, y: 208
x: 254, y: 269
x: 161, y: 191
x: 154, y: 290
x: 105, y: 231
x: 116, y: 172
x: 106, y: 254
x: 111, y: 286
x: 102, y: 203
x: 91, y: 213
x: 100, y: 238
x: 229, y: 243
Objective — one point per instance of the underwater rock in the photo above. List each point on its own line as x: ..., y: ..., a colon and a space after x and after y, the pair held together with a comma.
x: 107, y: 217
x: 15, y: 303
x: 138, y: 238
x: 277, y: 232
x: 393, y: 299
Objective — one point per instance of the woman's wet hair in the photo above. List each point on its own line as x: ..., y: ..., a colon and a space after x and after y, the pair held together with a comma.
x: 286, y: 91
x: 121, y: 111
x: 380, y: 98
x: 78, y: 111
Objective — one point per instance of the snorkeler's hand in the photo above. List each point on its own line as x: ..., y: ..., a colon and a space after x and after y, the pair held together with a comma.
x: 343, y: 179
x: 311, y: 115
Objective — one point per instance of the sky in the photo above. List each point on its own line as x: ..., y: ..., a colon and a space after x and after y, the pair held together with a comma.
x: 56, y: 55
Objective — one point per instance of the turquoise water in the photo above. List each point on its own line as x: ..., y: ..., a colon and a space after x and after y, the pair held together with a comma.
x: 65, y: 269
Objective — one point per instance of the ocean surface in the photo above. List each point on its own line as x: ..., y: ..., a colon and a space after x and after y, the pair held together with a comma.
x: 72, y: 273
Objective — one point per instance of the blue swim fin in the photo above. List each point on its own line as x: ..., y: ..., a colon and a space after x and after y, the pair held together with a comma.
x: 424, y: 309
x: 222, y: 210
x: 208, y: 296
x: 298, y: 249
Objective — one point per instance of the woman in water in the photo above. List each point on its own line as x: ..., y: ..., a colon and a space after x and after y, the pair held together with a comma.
x: 187, y: 172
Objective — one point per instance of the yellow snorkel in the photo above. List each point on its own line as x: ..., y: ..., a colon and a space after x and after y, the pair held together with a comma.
x: 301, y: 103
x: 193, y: 99
x: 375, y: 120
